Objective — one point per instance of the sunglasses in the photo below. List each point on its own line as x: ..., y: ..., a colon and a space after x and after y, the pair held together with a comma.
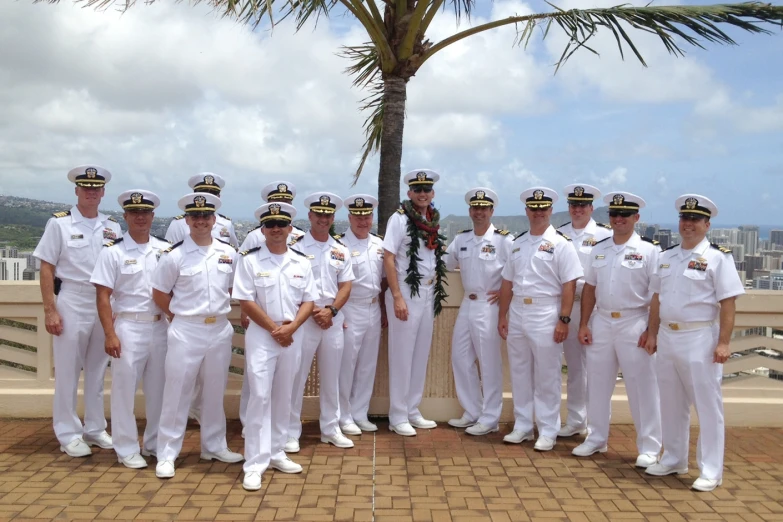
x: 419, y: 189
x: 692, y: 217
x: 620, y: 213
x: 201, y: 215
x: 276, y: 223
x: 579, y: 204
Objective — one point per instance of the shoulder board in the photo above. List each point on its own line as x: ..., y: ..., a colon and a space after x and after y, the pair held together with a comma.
x: 225, y: 217
x: 721, y: 248
x: 604, y: 239
x: 161, y: 238
x: 172, y: 247
x: 376, y: 235
x: 520, y: 235
x: 181, y: 216
x: 465, y: 231
x: 297, y: 252
x: 604, y: 225
x: 259, y: 226
x: 665, y: 249
x: 337, y: 239
x: 62, y: 214
x: 246, y: 252
x: 114, y: 242
x: 564, y: 224
x: 501, y: 232
x: 226, y: 243
x: 561, y: 234
x: 295, y: 240
x: 648, y: 240
x: 112, y: 218
x: 400, y: 211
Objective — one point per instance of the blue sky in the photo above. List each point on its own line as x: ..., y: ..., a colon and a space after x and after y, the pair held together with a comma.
x: 166, y: 91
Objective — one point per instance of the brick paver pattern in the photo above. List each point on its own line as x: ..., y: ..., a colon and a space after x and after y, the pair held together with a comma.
x: 440, y: 475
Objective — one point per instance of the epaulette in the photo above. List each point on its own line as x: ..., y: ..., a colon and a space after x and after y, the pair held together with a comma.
x: 172, y: 247
x: 501, y: 232
x: 665, y: 249
x: 160, y: 238
x: 295, y: 240
x: 114, y: 242
x: 648, y: 240
x: 601, y: 241
x: 465, y: 231
x: 400, y: 211
x: 564, y: 224
x: 112, y: 218
x: 337, y: 236
x: 297, y: 252
x: 561, y: 234
x: 246, y: 252
x: 227, y: 243
x: 376, y: 235
x: 62, y: 214
x: 721, y: 248
x: 181, y: 216
x: 225, y: 217
x: 259, y: 226
x: 337, y: 239
x: 520, y: 235
x: 604, y: 225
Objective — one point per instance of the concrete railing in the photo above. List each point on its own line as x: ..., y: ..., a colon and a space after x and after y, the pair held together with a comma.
x: 26, y: 390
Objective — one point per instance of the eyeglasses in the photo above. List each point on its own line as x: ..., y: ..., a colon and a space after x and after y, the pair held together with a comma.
x: 422, y: 188
x: 621, y: 213
x: 276, y: 223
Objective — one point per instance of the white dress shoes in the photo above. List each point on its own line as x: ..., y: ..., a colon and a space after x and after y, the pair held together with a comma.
x: 645, y: 460
x: 659, y: 470
x: 76, y: 448
x: 518, y: 436
x: 404, y: 429
x: 285, y: 465
x: 225, y: 455
x: 569, y: 431
x: 366, y: 426
x: 422, y: 423
x: 252, y: 481
x: 351, y: 429
x: 134, y: 461
x: 291, y: 445
x: 544, y: 444
x: 338, y: 439
x: 164, y: 469
x: 703, y: 484
x: 480, y: 429
x: 102, y: 440
x: 462, y: 422
x: 585, y: 450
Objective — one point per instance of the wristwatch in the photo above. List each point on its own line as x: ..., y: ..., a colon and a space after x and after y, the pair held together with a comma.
x: 565, y: 319
x: 333, y: 309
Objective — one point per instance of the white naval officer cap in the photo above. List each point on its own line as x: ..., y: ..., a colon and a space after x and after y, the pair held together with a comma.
x: 360, y: 204
x: 277, y: 211
x: 536, y: 198
x: 481, y: 197
x: 624, y: 202
x: 279, y: 191
x: 89, y: 176
x: 696, y: 205
x: 581, y: 194
x: 199, y: 202
x: 207, y: 182
x: 138, y: 199
x: 421, y: 177
x: 323, y: 202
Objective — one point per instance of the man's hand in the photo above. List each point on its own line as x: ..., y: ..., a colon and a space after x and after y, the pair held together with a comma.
x: 722, y: 353
x: 284, y: 335
x: 54, y: 323
x: 244, y: 321
x: 503, y: 327
x: 323, y: 318
x: 494, y: 296
x: 112, y: 345
x: 561, y: 332
x: 384, y: 319
x: 400, y: 308
x: 643, y: 340
x: 651, y: 344
x: 585, y: 336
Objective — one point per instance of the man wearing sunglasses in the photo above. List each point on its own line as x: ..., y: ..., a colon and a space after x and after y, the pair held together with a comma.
x: 276, y: 290
x: 691, y: 321
x: 617, y: 280
x: 584, y: 233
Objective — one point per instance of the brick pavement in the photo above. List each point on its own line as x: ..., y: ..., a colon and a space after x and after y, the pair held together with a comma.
x: 440, y: 475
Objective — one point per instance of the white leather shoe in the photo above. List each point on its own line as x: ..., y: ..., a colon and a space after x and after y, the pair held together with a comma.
x: 544, y: 444
x: 164, y: 469
x: 422, y: 423
x: 225, y: 455
x: 291, y: 445
x: 404, y: 429
x: 252, y: 481
x: 462, y: 422
x: 480, y: 429
x: 366, y: 426
x: 351, y: 429
x: 76, y: 448
x: 338, y: 439
x: 659, y: 470
x: 149, y: 453
x: 518, y: 436
x: 585, y: 450
x: 102, y: 440
x: 134, y: 461
x: 285, y: 465
x: 703, y: 484
x: 569, y: 431
x: 645, y: 460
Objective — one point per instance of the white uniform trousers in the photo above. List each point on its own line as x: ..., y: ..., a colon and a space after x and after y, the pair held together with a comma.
x: 142, y: 358
x: 687, y: 375
x: 409, y: 351
x: 360, y: 358
x: 195, y: 349
x: 615, y: 345
x: 270, y: 370
x: 476, y: 340
x: 79, y: 346
x: 535, y: 363
x: 244, y: 396
x: 329, y: 346
x: 576, y: 382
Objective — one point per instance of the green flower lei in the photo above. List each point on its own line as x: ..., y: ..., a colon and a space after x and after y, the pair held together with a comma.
x: 413, y: 279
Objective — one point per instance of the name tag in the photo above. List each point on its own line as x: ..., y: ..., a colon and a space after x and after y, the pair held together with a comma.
x: 600, y: 256
x: 130, y: 261
x: 77, y: 236
x: 515, y: 250
x: 310, y: 256
x: 463, y: 249
x: 262, y: 274
x: 355, y: 253
x: 664, y: 266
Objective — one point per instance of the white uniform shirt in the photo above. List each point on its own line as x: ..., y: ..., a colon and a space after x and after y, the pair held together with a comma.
x: 279, y: 289
x: 331, y: 264
x: 690, y: 285
x: 223, y: 229
x: 583, y: 241
x: 397, y: 241
x: 72, y: 245
x: 127, y: 267
x: 480, y: 259
x: 200, y: 277
x: 622, y: 274
x: 255, y: 238
x: 539, y: 266
x: 366, y: 263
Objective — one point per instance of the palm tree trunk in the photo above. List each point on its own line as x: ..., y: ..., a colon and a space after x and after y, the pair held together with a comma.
x: 394, y: 96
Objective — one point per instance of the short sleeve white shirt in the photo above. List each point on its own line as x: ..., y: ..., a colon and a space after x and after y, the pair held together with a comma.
x: 366, y: 263
x: 397, y: 241
x: 330, y: 262
x: 584, y: 240
x: 480, y: 259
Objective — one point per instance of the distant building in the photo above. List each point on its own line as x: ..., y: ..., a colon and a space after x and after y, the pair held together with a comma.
x: 749, y: 236
x: 773, y: 281
x: 776, y: 237
x: 9, y: 252
x: 11, y: 269
x: 664, y: 236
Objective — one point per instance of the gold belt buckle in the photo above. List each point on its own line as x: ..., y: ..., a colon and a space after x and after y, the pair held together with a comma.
x: 430, y: 281
x: 527, y: 300
x: 674, y: 326
x: 472, y: 297
x: 616, y: 315
x: 156, y: 317
x: 211, y: 319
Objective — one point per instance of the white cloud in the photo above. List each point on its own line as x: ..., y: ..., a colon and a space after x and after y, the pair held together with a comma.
x: 614, y: 179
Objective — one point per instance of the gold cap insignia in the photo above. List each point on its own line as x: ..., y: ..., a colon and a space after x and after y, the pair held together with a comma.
x: 359, y: 202
x: 325, y: 200
x: 691, y: 203
x: 91, y: 172
x: 282, y: 187
x: 421, y: 176
x: 200, y: 201
x: 274, y: 209
x: 209, y: 180
x: 538, y: 194
x: 480, y: 194
x: 136, y: 198
x: 618, y: 199
x: 579, y: 191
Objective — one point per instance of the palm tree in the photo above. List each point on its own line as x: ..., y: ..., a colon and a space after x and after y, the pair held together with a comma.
x: 398, y: 47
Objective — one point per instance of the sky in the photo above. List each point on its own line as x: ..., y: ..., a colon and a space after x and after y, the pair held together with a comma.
x: 165, y: 91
